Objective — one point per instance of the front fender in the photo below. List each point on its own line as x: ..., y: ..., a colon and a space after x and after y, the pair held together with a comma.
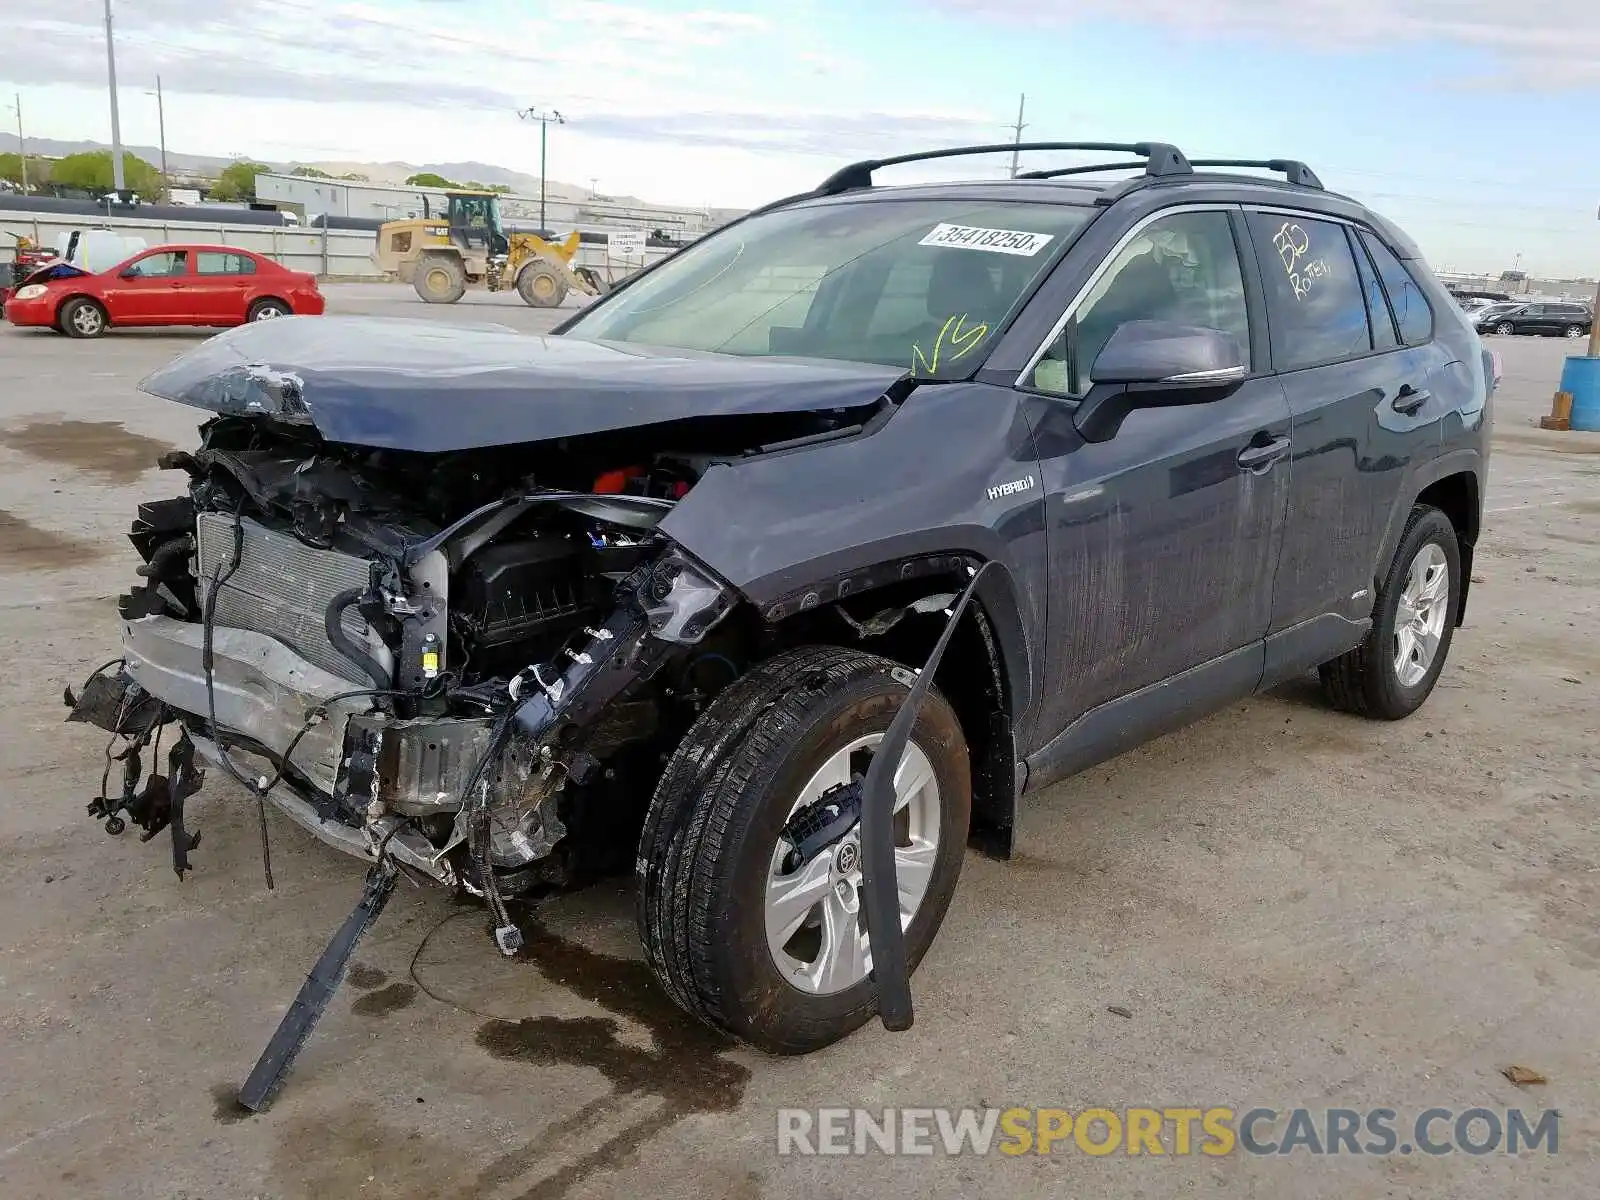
x: 951, y: 478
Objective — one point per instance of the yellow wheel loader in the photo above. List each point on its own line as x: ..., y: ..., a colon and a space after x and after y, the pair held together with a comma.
x: 440, y: 254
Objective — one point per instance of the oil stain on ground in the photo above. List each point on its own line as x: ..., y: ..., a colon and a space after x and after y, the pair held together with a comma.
x: 385, y: 1000
x: 228, y: 1110
x: 24, y: 546
x: 686, y: 1068
x: 102, y: 448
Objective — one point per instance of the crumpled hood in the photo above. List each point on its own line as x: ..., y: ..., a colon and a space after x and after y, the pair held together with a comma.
x: 430, y: 386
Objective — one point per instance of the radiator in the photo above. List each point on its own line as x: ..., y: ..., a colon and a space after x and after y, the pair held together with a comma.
x: 282, y: 588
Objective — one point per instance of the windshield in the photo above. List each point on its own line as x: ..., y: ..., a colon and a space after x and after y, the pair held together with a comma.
x: 925, y: 285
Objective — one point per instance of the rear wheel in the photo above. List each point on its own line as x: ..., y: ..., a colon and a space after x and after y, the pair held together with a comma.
x: 1393, y: 671
x: 440, y: 279
x: 1574, y: 331
x: 268, y: 310
x: 742, y: 931
x: 540, y: 286
x: 83, y: 318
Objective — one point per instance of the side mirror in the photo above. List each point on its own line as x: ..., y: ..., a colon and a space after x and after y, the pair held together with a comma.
x: 1157, y: 364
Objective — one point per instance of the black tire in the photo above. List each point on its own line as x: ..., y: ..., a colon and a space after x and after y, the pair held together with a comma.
x: 540, y: 286
x: 1505, y: 328
x: 440, y: 278
x: 81, y: 317
x: 267, y: 310
x: 713, y: 825
x: 1365, y: 681
x: 1575, y: 331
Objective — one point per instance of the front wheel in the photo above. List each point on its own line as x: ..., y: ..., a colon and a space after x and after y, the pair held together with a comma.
x: 540, y: 286
x: 83, y: 318
x: 1393, y: 671
x: 742, y: 928
x: 1505, y: 328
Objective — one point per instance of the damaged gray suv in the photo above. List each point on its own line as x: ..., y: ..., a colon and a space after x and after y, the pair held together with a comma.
x: 1067, y: 462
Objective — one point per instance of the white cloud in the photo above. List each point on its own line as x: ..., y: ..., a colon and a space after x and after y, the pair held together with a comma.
x: 1545, y: 44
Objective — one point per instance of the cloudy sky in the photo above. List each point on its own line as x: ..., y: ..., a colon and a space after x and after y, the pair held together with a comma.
x: 1462, y: 119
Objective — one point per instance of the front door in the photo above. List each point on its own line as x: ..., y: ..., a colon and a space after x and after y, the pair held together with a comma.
x: 154, y: 287
x: 1164, y: 539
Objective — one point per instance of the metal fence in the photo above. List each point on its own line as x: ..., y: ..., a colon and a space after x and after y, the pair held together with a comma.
x: 335, y: 253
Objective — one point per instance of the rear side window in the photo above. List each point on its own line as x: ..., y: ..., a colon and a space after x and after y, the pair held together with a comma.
x: 1315, y: 304
x: 212, y: 263
x: 1411, y: 311
x: 1383, y: 334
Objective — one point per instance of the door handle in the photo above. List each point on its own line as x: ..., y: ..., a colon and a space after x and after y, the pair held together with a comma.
x: 1410, y: 399
x: 1258, y: 456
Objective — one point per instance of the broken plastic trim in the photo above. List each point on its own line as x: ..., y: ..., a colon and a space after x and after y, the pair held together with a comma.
x: 880, y: 887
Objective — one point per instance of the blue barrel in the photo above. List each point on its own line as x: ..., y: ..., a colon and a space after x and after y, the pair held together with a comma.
x: 1581, y: 377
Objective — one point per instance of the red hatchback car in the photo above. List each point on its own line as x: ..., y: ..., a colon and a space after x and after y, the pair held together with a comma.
x: 165, y: 285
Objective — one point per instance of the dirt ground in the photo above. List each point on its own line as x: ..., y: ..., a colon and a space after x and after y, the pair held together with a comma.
x: 1295, y: 908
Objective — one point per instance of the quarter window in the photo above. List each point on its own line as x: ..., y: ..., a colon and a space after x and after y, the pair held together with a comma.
x: 1411, y: 311
x: 1183, y: 268
x: 209, y: 262
x: 1314, y: 296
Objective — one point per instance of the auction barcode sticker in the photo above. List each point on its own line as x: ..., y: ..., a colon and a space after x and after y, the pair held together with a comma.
x: 996, y: 241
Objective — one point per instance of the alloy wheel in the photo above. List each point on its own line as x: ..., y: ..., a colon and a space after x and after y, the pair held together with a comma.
x: 816, y: 929
x: 1423, y: 609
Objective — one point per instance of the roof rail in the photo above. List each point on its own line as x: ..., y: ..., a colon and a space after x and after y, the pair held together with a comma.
x: 1296, y: 172
x: 1086, y: 170
x: 1160, y: 159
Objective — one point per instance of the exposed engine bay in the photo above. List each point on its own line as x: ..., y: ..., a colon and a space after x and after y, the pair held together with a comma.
x: 471, y: 662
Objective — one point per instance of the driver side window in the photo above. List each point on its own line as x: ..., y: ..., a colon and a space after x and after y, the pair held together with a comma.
x: 1183, y: 268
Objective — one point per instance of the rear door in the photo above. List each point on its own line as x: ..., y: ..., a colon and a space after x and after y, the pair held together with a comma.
x: 1356, y: 368
x: 152, y: 289
x: 222, y: 286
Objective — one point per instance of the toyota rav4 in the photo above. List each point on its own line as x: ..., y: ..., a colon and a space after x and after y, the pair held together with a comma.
x: 1066, y: 461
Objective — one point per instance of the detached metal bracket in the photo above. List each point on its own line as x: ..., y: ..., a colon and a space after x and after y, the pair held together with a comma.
x: 880, y: 885
x: 301, y: 1019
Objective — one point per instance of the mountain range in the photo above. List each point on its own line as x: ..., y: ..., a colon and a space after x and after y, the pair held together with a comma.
x: 179, y: 164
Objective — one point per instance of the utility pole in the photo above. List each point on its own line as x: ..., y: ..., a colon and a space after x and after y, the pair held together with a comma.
x: 161, y: 123
x: 1022, y: 102
x: 22, y: 146
x: 544, y: 116
x: 117, y: 180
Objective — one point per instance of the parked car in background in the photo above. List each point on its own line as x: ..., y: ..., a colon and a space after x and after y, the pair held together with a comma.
x: 164, y: 285
x: 1550, y: 318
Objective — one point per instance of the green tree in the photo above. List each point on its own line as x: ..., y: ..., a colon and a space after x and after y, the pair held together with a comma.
x: 91, y: 171
x: 356, y: 177
x: 429, y: 179
x: 310, y: 173
x: 501, y: 188
x: 38, y: 170
x: 237, y: 180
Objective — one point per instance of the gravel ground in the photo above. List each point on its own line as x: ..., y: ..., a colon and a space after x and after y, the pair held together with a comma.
x: 1294, y: 908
